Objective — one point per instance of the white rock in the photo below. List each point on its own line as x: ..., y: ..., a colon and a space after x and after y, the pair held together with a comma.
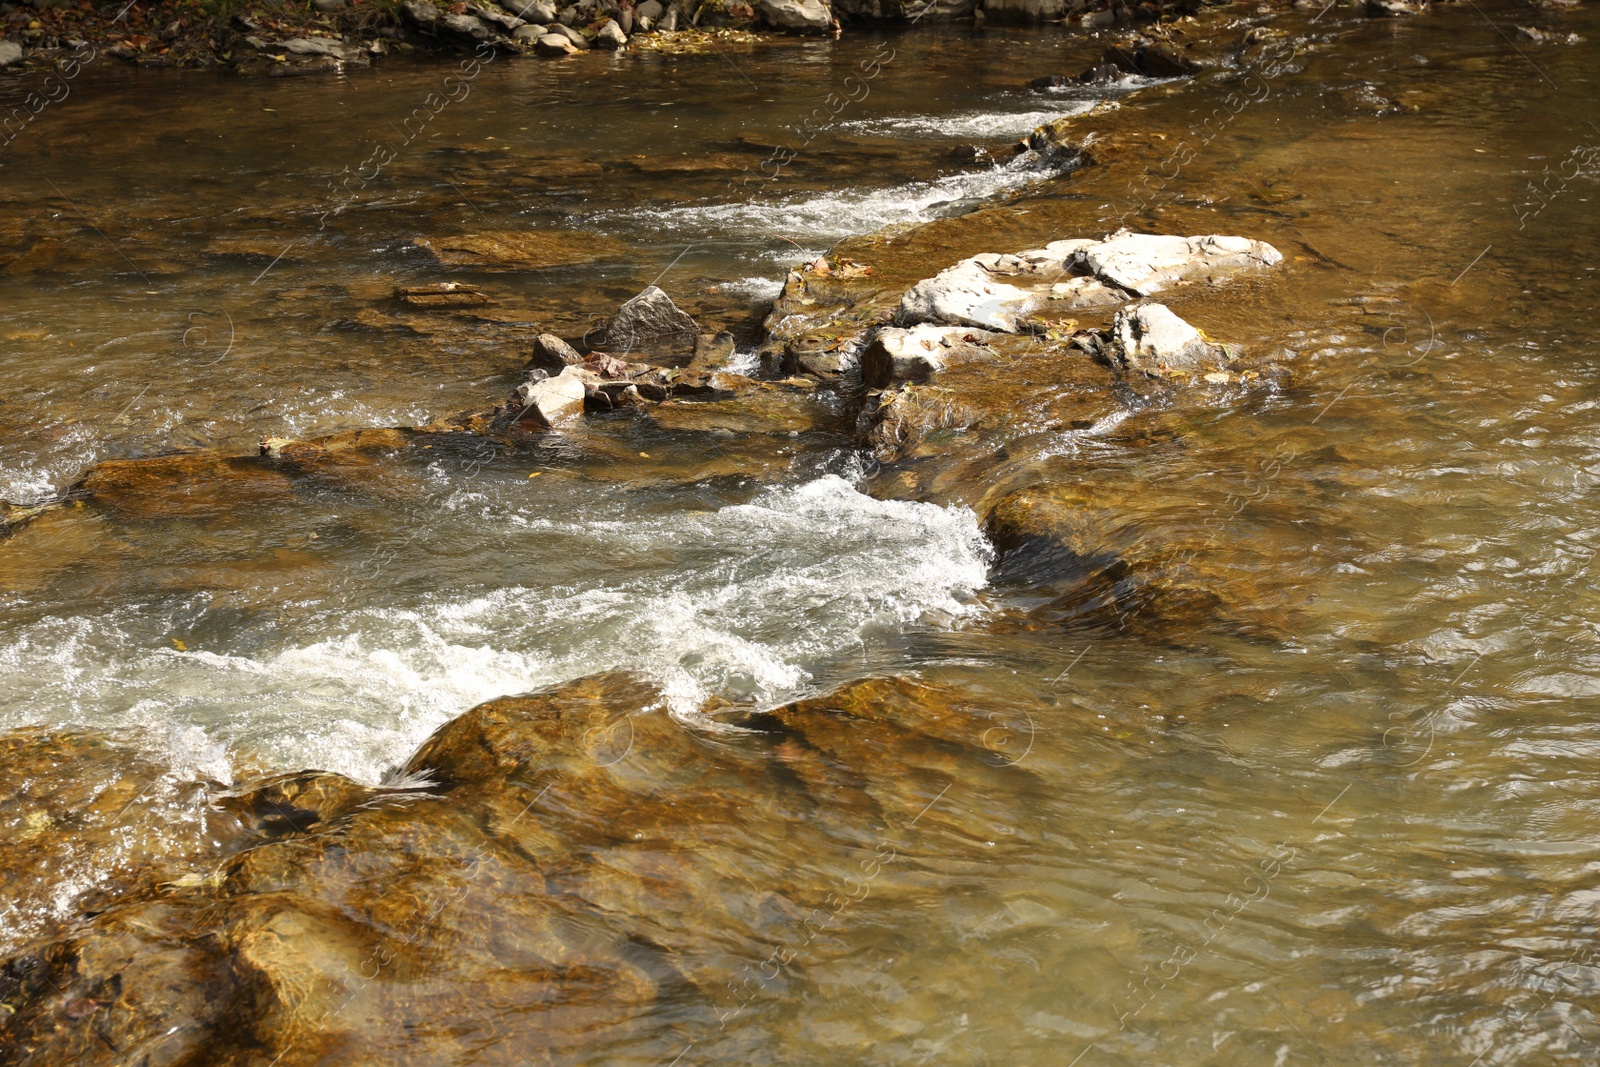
x: 557, y: 397
x: 10, y: 52
x: 1150, y: 338
x: 610, y: 36
x: 897, y: 355
x: 1147, y: 263
x: 967, y: 295
x: 812, y: 15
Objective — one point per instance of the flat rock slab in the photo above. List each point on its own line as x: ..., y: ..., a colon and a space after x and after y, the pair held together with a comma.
x: 1147, y: 263
x: 999, y: 291
x: 529, y: 250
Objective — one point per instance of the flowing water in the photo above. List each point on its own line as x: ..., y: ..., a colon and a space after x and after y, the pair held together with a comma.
x: 1359, y: 842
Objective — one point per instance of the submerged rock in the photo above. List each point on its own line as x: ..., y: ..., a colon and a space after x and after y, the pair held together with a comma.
x: 560, y: 867
x: 526, y: 250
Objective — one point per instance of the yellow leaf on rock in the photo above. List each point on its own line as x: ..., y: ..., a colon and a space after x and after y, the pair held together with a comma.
x: 179, y: 645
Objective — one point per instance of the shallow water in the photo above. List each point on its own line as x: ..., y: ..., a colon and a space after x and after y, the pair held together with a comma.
x: 1361, y: 841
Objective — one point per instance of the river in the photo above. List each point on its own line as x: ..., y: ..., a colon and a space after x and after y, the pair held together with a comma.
x: 1352, y: 833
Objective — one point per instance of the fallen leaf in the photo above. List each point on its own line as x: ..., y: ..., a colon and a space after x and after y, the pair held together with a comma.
x: 179, y: 645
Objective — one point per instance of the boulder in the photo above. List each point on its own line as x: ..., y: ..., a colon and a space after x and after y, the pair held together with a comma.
x: 572, y: 35
x: 610, y: 36
x: 496, y: 17
x: 650, y: 9
x: 423, y: 15
x: 650, y: 320
x: 314, y: 46
x: 555, y: 44
x: 1146, y: 263
x: 10, y: 52
x: 899, y: 355
x: 466, y: 26
x: 805, y: 16
x: 1153, y: 59
x: 669, y: 21
x: 552, y: 354
x: 534, y: 11
x: 1151, y: 339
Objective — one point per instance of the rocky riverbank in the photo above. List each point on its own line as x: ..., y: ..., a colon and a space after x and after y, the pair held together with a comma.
x: 338, y: 35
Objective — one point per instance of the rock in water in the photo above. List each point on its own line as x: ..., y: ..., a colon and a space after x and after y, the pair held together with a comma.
x: 651, y: 320
x: 1151, y: 339
x: 556, y: 397
x: 610, y: 36
x: 967, y: 295
x: 1392, y: 9
x: 1146, y: 263
x: 913, y: 355
x: 552, y: 354
x: 810, y: 16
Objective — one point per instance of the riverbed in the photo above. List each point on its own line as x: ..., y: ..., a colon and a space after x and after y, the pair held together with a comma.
x: 1337, y: 819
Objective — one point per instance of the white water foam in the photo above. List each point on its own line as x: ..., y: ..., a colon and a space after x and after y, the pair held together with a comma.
x: 823, y: 219
x: 969, y: 125
x: 745, y: 600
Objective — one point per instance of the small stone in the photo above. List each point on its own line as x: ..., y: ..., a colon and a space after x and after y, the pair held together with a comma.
x: 669, y: 21
x: 650, y: 9
x: 10, y: 52
x: 527, y: 34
